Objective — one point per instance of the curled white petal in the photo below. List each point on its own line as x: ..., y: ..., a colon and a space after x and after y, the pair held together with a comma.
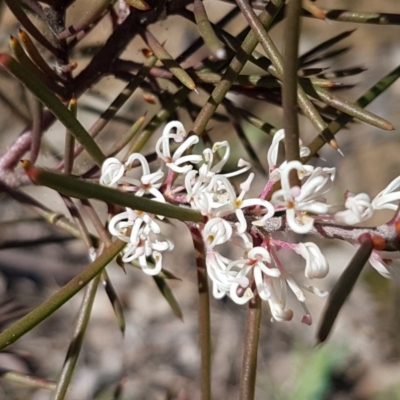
x: 260, y: 257
x: 259, y: 254
x: 112, y: 171
x: 156, y: 269
x: 217, y: 231
x: 318, y: 183
x: 316, y: 264
x: 299, y: 223
x: 218, y: 145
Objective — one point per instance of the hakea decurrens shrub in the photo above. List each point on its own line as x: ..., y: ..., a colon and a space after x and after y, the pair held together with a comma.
x: 251, y: 224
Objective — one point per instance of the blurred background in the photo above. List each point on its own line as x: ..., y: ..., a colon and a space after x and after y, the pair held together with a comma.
x: 158, y: 357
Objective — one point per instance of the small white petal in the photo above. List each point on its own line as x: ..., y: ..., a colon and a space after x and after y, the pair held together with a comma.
x: 157, y: 267
x: 359, y: 208
x: 217, y: 231
x: 316, y: 264
x: 112, y: 171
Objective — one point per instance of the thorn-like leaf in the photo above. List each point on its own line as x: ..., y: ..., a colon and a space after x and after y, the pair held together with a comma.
x: 324, y: 46
x: 26, y: 62
x: 49, y: 306
x: 54, y: 104
x: 168, y: 295
x: 343, y: 287
x: 82, y: 189
x: 94, y: 13
x: 35, y: 55
x: 16, y: 9
x: 169, y: 62
x: 114, y: 300
x: 206, y: 31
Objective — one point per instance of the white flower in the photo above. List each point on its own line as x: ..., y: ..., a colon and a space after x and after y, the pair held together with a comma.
x: 216, y: 271
x: 299, y: 201
x: 359, y: 209
x: 164, y: 152
x: 226, y: 201
x: 146, y: 248
x: 224, y: 274
x: 234, y: 277
x: 316, y: 264
x: 387, y: 196
x: 287, y: 280
x: 136, y: 228
x: 148, y: 183
x: 112, y: 171
x: 134, y: 223
x: 256, y: 266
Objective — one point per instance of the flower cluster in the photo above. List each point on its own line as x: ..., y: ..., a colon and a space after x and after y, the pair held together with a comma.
x: 235, y: 223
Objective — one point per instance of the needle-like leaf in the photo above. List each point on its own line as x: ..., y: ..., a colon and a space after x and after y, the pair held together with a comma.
x: 343, y: 288
x: 79, y: 188
x: 54, y: 104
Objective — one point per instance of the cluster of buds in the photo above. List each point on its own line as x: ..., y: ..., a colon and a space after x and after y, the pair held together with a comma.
x: 246, y: 227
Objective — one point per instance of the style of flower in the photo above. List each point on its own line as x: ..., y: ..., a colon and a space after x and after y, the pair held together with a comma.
x: 272, y: 155
x: 359, y: 208
x: 164, y: 152
x: 208, y: 170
